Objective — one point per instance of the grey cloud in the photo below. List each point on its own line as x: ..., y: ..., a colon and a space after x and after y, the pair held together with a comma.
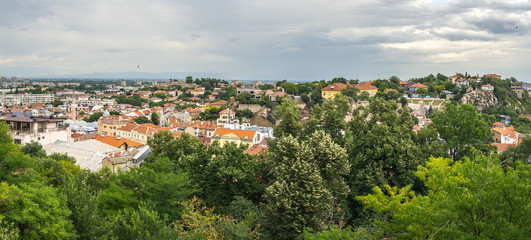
x: 256, y: 39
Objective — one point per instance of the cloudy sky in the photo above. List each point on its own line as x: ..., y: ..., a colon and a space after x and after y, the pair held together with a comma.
x: 267, y: 39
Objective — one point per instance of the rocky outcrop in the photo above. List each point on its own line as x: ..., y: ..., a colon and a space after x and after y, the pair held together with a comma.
x: 480, y: 99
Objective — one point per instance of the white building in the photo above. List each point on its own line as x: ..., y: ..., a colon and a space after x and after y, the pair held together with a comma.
x: 262, y: 132
x: 487, y: 87
x: 15, y: 99
x: 44, y: 130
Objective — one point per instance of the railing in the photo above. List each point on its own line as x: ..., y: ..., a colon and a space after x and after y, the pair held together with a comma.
x: 36, y: 132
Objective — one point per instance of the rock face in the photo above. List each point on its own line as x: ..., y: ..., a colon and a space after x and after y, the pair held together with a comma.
x: 480, y: 99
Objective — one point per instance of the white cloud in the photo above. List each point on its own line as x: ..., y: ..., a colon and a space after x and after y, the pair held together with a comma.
x: 298, y: 39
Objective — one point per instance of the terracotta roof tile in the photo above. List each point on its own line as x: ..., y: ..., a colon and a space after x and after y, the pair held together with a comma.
x: 335, y: 87
x: 242, y: 134
x: 364, y: 86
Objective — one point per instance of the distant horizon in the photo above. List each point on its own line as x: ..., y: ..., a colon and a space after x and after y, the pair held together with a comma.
x: 144, y: 76
x: 277, y: 39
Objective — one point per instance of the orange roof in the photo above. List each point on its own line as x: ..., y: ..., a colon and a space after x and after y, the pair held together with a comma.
x: 403, y: 82
x: 128, y: 127
x: 177, y: 134
x: 117, y: 142
x: 365, y: 86
x: 498, y: 124
x: 335, y: 87
x: 242, y: 134
x: 220, y: 103
x: 227, y: 111
x: 256, y: 149
x: 503, y: 146
x: 504, y: 131
x: 418, y: 85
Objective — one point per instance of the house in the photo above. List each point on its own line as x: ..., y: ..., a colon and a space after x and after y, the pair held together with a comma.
x: 201, y: 129
x: 239, y: 137
x: 498, y: 125
x: 193, y: 112
x: 330, y: 91
x: 501, y: 147
x: 107, y: 125
x: 367, y: 88
x: 493, y: 76
x: 197, y: 91
x: 461, y: 82
x: 507, y: 135
x: 121, y: 143
x: 255, y: 93
x: 40, y: 129
x: 258, y: 149
x: 403, y: 84
x: 219, y: 103
x: 226, y: 116
x: 487, y: 87
x: 413, y: 88
x: 138, y: 133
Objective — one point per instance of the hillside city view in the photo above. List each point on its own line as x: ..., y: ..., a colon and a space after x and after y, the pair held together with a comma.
x: 209, y: 120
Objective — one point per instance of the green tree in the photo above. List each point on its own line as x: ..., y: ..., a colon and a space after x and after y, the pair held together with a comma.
x: 422, y: 91
x: 38, y: 211
x: 142, y: 120
x: 297, y: 197
x: 439, y: 88
x: 290, y: 88
x: 144, y: 223
x: 335, y: 233
x: 332, y: 162
x: 34, y: 149
x: 56, y: 103
x: 86, y: 216
x: 470, y: 199
x: 8, y: 231
x: 461, y: 128
x: 382, y: 150
x: 520, y: 153
x: 93, y: 118
x: 11, y: 158
x: 332, y: 117
x: 155, y: 118
x: 289, y: 116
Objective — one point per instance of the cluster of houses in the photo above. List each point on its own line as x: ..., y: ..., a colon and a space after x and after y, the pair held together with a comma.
x: 116, y: 140
x: 505, y: 136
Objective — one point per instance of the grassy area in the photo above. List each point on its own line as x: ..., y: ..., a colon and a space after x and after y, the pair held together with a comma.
x: 437, y: 102
x: 427, y: 101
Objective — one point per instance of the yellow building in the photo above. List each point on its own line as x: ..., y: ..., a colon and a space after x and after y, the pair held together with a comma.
x: 224, y: 136
x: 136, y: 132
x: 330, y: 91
x: 108, y: 125
x: 367, y: 89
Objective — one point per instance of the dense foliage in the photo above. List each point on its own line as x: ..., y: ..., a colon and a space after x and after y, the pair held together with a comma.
x: 347, y: 171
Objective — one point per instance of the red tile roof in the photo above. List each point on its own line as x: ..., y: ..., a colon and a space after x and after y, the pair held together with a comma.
x: 242, y: 134
x: 418, y: 85
x: 335, y: 87
x: 503, y: 146
x: 365, y: 86
x: 117, y: 142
